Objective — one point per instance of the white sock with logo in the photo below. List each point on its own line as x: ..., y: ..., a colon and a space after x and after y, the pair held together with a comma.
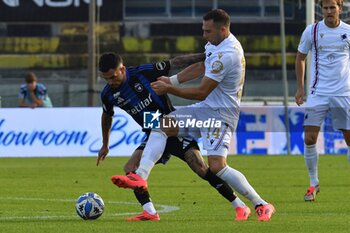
x: 149, y: 207
x: 152, y: 153
x: 239, y: 183
x: 311, y: 160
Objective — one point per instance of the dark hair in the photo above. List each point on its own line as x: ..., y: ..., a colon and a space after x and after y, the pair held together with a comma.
x: 109, y: 61
x: 30, y: 77
x: 219, y: 17
x: 339, y: 3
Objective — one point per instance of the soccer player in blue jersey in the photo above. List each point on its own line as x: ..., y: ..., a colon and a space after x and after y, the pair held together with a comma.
x: 129, y: 88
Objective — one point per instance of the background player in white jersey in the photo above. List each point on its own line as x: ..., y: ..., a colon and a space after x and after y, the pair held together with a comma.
x: 220, y: 91
x: 329, y: 90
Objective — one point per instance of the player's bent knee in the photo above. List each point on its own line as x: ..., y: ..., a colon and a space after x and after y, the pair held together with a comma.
x: 310, y: 140
x: 216, y: 163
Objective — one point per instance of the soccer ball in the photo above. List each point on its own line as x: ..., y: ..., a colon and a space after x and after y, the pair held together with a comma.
x: 89, y: 206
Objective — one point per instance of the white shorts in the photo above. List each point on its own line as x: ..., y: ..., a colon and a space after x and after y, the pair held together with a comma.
x: 216, y: 130
x: 317, y: 107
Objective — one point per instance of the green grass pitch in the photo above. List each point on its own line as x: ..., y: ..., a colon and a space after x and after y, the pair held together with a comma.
x: 38, y: 195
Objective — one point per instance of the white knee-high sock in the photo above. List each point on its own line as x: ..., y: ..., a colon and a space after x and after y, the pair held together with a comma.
x: 349, y: 154
x: 151, y: 154
x: 239, y: 183
x: 311, y: 160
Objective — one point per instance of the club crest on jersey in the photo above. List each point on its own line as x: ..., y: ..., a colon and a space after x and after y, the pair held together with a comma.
x: 216, y: 67
x: 138, y: 87
x: 160, y: 65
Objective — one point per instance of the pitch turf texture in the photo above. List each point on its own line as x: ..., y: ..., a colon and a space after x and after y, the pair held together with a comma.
x: 38, y: 195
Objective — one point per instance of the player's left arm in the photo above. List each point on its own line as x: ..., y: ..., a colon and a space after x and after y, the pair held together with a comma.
x: 201, y: 92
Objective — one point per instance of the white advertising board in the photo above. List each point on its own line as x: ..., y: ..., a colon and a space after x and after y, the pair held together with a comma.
x: 53, y: 132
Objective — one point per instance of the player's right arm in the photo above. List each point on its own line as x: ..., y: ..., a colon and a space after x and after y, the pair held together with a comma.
x: 300, y: 73
x: 106, y: 124
x: 304, y: 47
x: 191, y: 72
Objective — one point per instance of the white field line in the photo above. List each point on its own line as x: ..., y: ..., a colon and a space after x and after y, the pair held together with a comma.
x: 161, y: 208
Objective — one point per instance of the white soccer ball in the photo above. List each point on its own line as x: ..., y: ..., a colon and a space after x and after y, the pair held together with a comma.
x: 89, y: 206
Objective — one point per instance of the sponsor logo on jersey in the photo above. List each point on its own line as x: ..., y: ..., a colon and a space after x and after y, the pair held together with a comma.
x: 160, y: 65
x: 140, y: 106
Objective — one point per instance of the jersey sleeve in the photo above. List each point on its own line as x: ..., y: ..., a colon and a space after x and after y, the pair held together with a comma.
x: 22, y: 92
x: 305, y: 43
x: 107, y: 106
x: 218, y: 65
x: 41, y: 91
x: 161, y: 68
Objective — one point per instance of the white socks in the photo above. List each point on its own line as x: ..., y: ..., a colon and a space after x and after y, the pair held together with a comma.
x: 311, y: 160
x: 151, y: 154
x: 149, y: 207
x: 239, y: 183
x: 349, y: 154
x: 238, y: 203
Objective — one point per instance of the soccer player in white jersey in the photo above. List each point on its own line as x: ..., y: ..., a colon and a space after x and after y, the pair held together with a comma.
x: 220, y: 91
x: 329, y: 90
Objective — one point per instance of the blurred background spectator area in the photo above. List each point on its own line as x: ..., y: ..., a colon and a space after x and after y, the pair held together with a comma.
x: 50, y: 38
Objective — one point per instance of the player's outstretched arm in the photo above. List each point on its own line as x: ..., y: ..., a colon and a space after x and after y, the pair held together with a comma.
x: 189, y: 73
x: 194, y: 93
x: 106, y: 123
x: 180, y: 62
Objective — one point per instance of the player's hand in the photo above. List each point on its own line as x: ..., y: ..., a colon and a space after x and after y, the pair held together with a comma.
x: 102, y: 154
x: 299, y: 97
x: 164, y: 79
x: 160, y: 87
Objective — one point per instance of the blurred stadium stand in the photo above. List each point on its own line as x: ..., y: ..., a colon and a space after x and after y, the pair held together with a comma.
x: 52, y: 41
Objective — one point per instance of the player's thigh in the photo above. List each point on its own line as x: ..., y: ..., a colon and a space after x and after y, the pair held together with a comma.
x: 216, y: 139
x: 184, y: 117
x: 316, y: 110
x: 216, y: 142
x: 340, y: 109
x: 195, y: 161
x: 188, y: 151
